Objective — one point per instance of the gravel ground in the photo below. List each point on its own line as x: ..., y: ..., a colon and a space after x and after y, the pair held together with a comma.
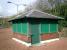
x: 6, y: 43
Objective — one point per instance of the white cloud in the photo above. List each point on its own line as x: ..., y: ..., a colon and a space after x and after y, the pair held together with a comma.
x: 0, y: 9
x: 10, y: 9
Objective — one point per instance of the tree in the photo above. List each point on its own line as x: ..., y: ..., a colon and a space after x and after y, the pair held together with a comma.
x: 54, y: 3
x: 4, y: 22
x: 42, y: 5
x: 51, y: 2
x: 61, y: 10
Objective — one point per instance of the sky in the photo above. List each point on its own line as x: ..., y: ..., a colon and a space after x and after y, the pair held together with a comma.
x: 9, y: 9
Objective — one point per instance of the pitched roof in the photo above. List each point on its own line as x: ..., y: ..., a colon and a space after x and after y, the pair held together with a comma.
x: 37, y: 14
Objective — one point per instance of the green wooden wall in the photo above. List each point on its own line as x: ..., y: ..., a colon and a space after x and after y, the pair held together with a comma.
x: 20, y: 26
x: 54, y: 26
x: 49, y: 26
x: 24, y: 27
x: 14, y: 26
x: 44, y: 26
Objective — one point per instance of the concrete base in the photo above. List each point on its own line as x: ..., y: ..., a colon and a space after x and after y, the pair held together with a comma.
x: 39, y: 44
x: 48, y: 41
x: 22, y: 42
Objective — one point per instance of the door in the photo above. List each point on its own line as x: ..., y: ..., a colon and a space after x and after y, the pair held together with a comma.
x: 34, y: 30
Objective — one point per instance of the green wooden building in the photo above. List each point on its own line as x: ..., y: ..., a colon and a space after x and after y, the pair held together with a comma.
x: 35, y: 26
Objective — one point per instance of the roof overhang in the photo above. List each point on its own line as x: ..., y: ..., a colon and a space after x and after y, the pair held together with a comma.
x: 37, y: 14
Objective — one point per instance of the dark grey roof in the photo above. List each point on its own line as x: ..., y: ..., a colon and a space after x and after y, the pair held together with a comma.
x: 37, y: 14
